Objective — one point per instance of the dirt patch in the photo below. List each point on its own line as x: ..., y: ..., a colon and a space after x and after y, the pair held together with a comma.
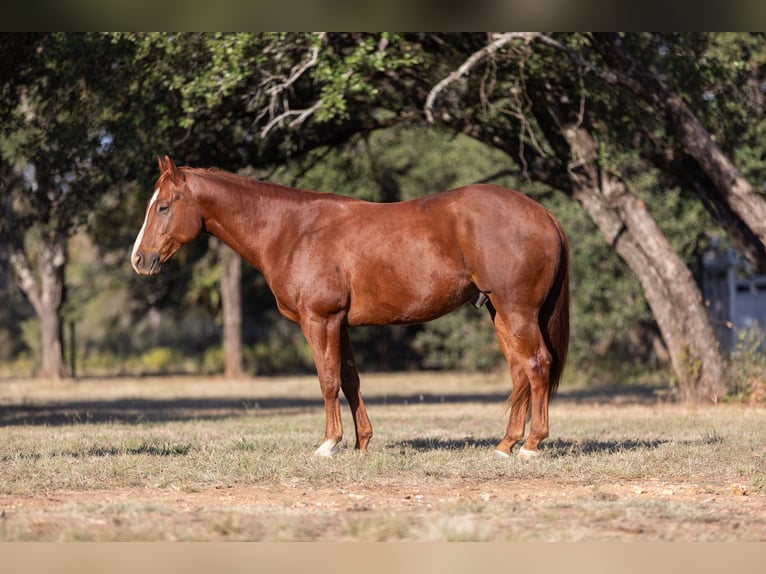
x: 452, y: 510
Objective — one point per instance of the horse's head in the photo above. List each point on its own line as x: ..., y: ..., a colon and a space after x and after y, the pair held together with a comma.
x: 173, y: 219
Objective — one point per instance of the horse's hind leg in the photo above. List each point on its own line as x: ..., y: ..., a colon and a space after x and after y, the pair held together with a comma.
x: 351, y: 389
x: 519, y: 406
x: 530, y: 363
x: 519, y: 399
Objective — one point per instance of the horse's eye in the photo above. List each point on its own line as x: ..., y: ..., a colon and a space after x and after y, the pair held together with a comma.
x: 162, y: 208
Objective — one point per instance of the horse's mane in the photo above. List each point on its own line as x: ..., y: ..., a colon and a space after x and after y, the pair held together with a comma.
x: 223, y: 176
x: 244, y: 181
x: 216, y: 173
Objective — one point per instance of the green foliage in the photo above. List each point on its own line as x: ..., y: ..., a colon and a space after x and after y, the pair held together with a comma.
x: 212, y: 361
x: 352, y: 70
x: 463, y: 340
x: 161, y: 360
x: 55, y: 111
x: 284, y: 350
x: 748, y: 367
x: 11, y: 315
x: 398, y: 163
x: 30, y: 334
x: 204, y: 284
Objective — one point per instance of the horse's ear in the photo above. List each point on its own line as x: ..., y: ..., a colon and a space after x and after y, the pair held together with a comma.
x: 169, y: 167
x: 175, y: 173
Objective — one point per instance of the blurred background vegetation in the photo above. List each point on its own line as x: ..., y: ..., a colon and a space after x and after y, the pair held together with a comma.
x: 84, y: 115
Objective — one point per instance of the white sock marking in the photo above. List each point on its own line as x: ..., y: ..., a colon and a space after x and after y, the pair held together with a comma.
x: 327, y: 448
x: 526, y: 453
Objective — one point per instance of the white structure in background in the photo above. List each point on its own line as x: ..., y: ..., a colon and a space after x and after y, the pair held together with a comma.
x: 734, y: 295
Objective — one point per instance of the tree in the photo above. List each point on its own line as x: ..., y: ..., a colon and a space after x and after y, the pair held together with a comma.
x: 557, y: 120
x: 231, y: 302
x: 53, y: 118
x: 736, y: 202
x: 668, y: 284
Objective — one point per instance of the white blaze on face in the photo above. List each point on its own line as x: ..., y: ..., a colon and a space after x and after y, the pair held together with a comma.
x: 140, y: 237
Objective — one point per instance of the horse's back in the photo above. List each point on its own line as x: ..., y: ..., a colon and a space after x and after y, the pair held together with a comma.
x: 501, y: 202
x: 481, y: 228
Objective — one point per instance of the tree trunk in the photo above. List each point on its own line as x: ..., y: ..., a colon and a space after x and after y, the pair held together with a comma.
x: 46, y: 293
x: 627, y: 225
x: 731, y: 186
x: 686, y: 170
x: 669, y: 287
x: 231, y: 301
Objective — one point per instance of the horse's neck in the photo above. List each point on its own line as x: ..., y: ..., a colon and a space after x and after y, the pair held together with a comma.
x: 246, y: 218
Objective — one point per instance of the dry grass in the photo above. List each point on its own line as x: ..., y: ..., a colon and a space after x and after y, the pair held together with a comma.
x: 194, y: 459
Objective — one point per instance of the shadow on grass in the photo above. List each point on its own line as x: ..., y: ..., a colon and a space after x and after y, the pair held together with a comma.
x: 553, y: 448
x: 162, y: 449
x: 133, y: 411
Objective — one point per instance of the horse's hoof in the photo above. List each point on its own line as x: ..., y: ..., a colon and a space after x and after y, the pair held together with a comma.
x: 526, y: 454
x: 327, y: 449
x: 502, y: 455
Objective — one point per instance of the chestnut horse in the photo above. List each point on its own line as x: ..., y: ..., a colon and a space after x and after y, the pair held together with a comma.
x: 335, y: 262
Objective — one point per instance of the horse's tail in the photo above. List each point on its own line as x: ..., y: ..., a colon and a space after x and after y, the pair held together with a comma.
x: 554, y: 318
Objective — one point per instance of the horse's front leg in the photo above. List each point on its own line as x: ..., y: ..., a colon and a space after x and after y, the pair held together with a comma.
x: 324, y: 337
x: 350, y: 386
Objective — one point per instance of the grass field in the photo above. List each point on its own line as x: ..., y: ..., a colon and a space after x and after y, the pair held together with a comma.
x: 211, y: 459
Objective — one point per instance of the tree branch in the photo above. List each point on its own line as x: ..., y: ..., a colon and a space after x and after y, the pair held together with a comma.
x: 729, y: 182
x: 25, y: 278
x: 299, y: 70
x: 473, y: 60
x: 275, y: 91
x: 303, y: 115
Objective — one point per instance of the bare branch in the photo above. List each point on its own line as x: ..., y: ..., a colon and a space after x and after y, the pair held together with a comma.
x: 278, y: 90
x: 25, y: 278
x: 299, y: 70
x: 303, y: 115
x: 499, y: 174
x: 607, y: 75
x: 500, y: 40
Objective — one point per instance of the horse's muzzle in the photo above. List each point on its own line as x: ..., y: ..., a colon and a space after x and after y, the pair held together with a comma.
x: 146, y: 265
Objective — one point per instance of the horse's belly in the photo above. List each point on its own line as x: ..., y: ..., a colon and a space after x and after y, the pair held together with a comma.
x: 406, y: 302
x: 395, y: 277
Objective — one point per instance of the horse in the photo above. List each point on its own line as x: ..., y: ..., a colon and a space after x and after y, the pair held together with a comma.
x: 335, y: 262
